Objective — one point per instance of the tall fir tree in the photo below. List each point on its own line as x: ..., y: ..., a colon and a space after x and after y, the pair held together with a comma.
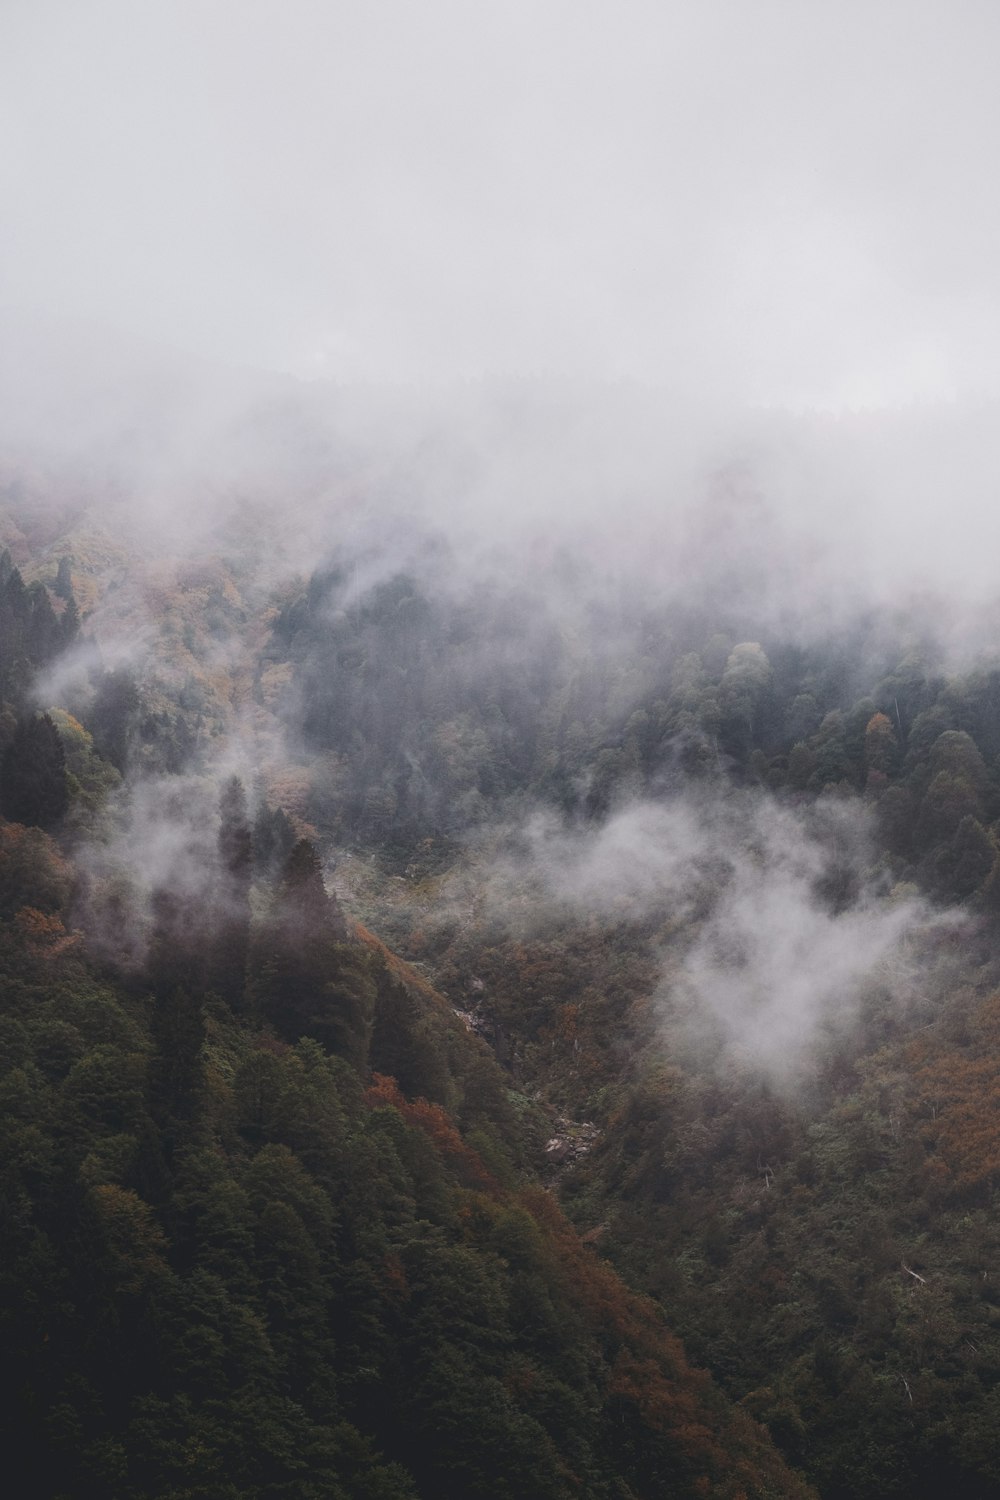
x: 232, y: 895
x: 33, y: 786
x: 309, y: 981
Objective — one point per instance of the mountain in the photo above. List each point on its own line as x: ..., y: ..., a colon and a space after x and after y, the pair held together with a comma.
x: 274, y: 1218
x: 485, y: 1013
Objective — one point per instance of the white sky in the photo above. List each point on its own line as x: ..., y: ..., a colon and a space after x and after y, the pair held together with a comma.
x: 773, y: 200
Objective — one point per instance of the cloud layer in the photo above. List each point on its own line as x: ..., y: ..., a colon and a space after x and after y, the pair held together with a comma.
x: 785, y: 203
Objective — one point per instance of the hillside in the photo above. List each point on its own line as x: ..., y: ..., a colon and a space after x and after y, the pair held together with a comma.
x: 273, y: 1216
x: 499, y: 750
x: 489, y: 1032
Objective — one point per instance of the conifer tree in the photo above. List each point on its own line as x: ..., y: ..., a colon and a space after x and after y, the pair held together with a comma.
x: 112, y: 718
x: 235, y: 847
x: 63, y: 586
x: 33, y: 774
x: 175, y: 1071
x: 273, y: 838
x: 69, y: 624
x: 14, y: 611
x: 308, y: 980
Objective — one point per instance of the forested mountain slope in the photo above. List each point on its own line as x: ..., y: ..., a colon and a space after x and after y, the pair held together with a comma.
x: 657, y: 913
x: 271, y: 1213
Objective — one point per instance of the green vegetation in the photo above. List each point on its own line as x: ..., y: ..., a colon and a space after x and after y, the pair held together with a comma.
x: 241, y: 1260
x: 280, y: 1222
x: 231, y: 1269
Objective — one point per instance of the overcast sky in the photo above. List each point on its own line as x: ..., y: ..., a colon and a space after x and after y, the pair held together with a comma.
x: 777, y: 200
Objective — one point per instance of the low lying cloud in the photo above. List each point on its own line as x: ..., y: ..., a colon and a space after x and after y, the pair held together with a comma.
x: 771, y: 923
x: 798, y: 934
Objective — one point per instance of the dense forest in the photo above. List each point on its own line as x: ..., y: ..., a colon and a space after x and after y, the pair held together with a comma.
x: 467, y: 1040
x: 499, y: 750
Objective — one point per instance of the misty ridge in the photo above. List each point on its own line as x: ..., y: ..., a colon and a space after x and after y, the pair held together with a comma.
x: 514, y: 551
x: 499, y: 750
x: 639, y: 484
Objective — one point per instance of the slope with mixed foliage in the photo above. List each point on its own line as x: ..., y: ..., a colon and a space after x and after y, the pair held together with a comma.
x: 820, y: 1237
x: 270, y: 1220
x: 822, y: 1243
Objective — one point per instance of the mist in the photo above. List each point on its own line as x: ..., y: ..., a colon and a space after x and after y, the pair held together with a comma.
x: 773, y: 202
x: 619, y: 318
x: 500, y: 745
x: 772, y: 927
x: 538, y: 279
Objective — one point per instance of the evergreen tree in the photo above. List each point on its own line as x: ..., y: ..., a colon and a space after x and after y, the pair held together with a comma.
x: 33, y: 774
x: 400, y: 1046
x: 273, y: 839
x: 69, y: 624
x: 235, y: 839
x: 175, y: 1072
x: 14, y: 611
x: 232, y: 899
x: 113, y: 717
x: 63, y: 586
x: 308, y: 980
x: 44, y: 631
x: 181, y: 943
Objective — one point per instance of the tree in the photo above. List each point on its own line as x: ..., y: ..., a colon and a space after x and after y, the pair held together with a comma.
x: 113, y: 716
x: 743, y: 692
x: 881, y: 746
x: 273, y: 839
x: 15, y: 667
x: 829, y: 744
x: 33, y: 774
x: 964, y: 864
x: 232, y: 895
x: 63, y: 586
x: 175, y: 1070
x: 69, y: 625
x: 308, y: 980
x: 401, y: 1045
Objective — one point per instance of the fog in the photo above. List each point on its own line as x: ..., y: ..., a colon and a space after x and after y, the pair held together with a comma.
x: 616, y: 309
x: 780, y: 203
x: 696, y: 288
x: 773, y: 927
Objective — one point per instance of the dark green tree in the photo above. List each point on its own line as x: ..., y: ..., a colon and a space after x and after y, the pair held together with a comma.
x: 232, y: 895
x: 33, y: 774
x: 273, y: 838
x: 401, y: 1045
x: 308, y: 980
x: 63, y: 586
x: 113, y: 718
x: 175, y: 1071
x: 69, y: 624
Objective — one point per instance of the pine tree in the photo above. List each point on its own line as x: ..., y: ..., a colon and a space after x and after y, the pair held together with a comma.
x: 175, y: 1069
x: 69, y: 624
x: 235, y: 850
x: 235, y: 839
x: 273, y: 839
x: 308, y: 980
x: 113, y: 716
x: 63, y: 586
x: 33, y: 774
